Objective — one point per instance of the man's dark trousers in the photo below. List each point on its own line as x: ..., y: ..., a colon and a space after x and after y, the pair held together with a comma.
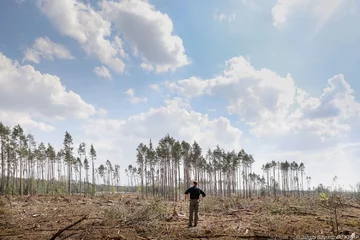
x: 194, y: 207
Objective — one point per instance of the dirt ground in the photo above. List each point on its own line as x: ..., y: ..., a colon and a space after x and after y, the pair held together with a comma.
x: 129, y: 217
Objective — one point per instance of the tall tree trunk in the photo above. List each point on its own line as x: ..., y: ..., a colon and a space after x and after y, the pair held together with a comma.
x: 93, y: 177
x: 80, y: 176
x: 69, y: 178
x: 179, y: 181
x: 146, y: 177
x: 8, y: 168
x: 21, y: 175
x: 14, y: 176
x: 2, y: 166
x: 274, y: 182
x: 215, y: 183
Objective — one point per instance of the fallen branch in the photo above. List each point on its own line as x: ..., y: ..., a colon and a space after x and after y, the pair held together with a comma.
x: 69, y: 226
x: 70, y: 235
x: 73, y: 229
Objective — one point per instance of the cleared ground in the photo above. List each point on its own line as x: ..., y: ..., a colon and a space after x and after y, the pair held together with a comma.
x: 128, y: 217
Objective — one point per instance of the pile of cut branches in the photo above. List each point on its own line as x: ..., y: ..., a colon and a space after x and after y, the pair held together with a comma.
x: 147, y: 213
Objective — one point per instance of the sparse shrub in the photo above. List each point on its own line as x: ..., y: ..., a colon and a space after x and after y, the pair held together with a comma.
x: 117, y: 213
x: 333, y: 203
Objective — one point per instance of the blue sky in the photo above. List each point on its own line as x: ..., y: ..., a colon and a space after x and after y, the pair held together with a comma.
x: 311, y: 41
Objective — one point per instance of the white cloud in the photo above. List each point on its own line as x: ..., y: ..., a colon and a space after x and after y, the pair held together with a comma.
x: 155, y: 87
x: 188, y: 87
x: 147, y: 67
x: 317, y: 122
x: 102, y: 72
x: 102, y: 112
x: 118, y: 44
x: 323, y: 10
x: 81, y: 22
x: 46, y: 49
x: 223, y: 17
x: 269, y: 94
x: 32, y: 56
x: 328, y: 118
x: 148, y: 31
x: 25, y: 90
x: 132, y: 98
x: 337, y: 100
x: 276, y: 111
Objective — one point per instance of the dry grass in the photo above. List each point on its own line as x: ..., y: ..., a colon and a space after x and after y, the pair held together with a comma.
x: 128, y: 217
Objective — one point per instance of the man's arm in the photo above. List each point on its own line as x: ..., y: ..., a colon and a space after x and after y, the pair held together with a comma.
x: 187, y: 197
x: 187, y: 194
x: 202, y: 193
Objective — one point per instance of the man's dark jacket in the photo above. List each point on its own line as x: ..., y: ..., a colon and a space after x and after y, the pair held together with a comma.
x: 195, y: 192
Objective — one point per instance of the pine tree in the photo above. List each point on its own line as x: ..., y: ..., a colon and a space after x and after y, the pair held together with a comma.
x: 68, y: 150
x: 93, y: 157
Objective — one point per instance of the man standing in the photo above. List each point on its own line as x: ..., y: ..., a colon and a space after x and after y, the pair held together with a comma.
x: 194, y: 202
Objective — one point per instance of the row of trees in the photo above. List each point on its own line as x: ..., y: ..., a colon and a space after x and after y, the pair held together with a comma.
x: 170, y: 167
x: 31, y: 168
x: 163, y: 171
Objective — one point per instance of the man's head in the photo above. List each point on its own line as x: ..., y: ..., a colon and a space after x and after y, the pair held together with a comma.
x: 195, y: 183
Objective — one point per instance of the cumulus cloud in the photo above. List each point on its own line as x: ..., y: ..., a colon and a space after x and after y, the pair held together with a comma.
x: 118, y: 138
x: 81, y: 22
x: 102, y: 72
x: 270, y: 95
x: 323, y: 10
x: 337, y: 100
x: 318, y: 122
x: 276, y: 110
x: 46, y: 49
x: 191, y: 87
x: 149, y: 32
x: 25, y: 90
x: 132, y: 98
